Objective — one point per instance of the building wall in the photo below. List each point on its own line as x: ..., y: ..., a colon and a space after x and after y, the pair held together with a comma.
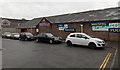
x: 86, y: 29
x: 31, y: 30
x: 56, y: 31
x: 12, y: 30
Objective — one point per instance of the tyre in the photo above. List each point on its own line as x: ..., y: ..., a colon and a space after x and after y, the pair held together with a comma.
x: 92, y: 45
x: 25, y: 39
x: 50, y: 41
x: 69, y: 43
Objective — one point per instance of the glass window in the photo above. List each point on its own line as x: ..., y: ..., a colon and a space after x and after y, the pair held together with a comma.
x: 72, y: 35
x: 49, y: 35
x: 79, y: 35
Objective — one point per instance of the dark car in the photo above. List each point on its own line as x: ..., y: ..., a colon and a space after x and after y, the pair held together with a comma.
x: 48, y: 37
x: 6, y: 35
x: 26, y: 36
x: 15, y: 36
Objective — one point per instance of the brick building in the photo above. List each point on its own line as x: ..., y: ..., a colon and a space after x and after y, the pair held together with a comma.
x: 79, y: 21
x: 10, y: 25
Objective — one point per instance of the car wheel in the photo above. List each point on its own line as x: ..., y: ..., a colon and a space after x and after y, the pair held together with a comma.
x: 69, y: 43
x: 25, y: 39
x: 92, y: 45
x: 51, y: 41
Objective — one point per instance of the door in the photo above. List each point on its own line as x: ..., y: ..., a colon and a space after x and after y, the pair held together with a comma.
x: 85, y: 40
x: 78, y: 39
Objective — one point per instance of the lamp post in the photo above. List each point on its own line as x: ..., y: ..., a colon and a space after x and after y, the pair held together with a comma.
x: 81, y: 28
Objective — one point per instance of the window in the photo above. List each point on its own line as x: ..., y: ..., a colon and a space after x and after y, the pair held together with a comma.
x: 40, y: 35
x: 72, y: 35
x: 49, y: 35
x: 43, y: 35
x: 79, y: 35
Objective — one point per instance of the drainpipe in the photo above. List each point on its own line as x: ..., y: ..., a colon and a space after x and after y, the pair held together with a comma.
x: 81, y: 28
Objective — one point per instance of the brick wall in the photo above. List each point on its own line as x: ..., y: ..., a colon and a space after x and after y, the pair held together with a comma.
x: 87, y: 29
x: 12, y: 30
x: 33, y: 30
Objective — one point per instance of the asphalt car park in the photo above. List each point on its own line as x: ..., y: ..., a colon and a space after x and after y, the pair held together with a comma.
x: 29, y: 54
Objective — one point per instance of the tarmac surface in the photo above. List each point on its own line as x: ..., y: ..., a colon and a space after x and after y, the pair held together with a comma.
x: 29, y: 54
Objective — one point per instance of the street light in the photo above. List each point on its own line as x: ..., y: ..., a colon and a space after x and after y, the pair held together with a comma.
x: 81, y: 28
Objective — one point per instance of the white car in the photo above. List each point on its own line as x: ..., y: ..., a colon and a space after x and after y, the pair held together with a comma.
x: 84, y: 39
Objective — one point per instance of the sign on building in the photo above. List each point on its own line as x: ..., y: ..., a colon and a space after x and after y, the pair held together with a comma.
x: 44, y: 24
x: 105, y: 28
x: 70, y: 30
x: 99, y: 24
x: 62, y: 26
x: 114, y: 30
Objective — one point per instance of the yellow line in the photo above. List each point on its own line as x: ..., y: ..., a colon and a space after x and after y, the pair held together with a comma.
x: 105, y: 61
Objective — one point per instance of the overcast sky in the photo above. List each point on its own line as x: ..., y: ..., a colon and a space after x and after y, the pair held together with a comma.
x: 30, y: 9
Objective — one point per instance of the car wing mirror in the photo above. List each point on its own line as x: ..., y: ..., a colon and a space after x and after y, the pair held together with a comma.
x: 85, y: 38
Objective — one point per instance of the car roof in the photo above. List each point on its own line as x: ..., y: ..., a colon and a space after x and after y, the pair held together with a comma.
x: 45, y: 33
x: 77, y: 33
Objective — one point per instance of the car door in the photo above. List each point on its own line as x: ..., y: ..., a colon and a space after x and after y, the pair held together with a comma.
x: 84, y: 40
x: 72, y: 38
x: 39, y: 37
x: 43, y: 38
x: 78, y: 39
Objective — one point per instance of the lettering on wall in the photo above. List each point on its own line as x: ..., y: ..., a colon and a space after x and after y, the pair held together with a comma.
x: 105, y: 28
x: 114, y: 30
x: 99, y: 23
x: 70, y: 30
x: 62, y: 26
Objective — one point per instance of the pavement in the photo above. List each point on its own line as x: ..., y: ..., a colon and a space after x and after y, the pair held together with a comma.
x: 29, y: 54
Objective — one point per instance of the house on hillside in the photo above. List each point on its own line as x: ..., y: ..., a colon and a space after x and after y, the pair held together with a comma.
x: 9, y: 25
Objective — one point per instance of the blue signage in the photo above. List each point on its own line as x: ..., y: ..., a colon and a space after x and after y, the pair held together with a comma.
x: 70, y: 30
x: 114, y: 30
x: 99, y: 23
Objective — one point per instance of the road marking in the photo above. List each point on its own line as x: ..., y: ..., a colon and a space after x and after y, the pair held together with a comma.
x: 102, y: 67
x: 113, y: 59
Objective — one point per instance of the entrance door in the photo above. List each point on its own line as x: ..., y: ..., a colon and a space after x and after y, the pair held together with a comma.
x: 23, y: 30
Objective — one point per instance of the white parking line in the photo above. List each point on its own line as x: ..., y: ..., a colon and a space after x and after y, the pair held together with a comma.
x: 113, y: 61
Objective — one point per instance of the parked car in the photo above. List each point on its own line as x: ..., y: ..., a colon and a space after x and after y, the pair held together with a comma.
x: 48, y: 37
x: 15, y: 36
x: 84, y: 39
x: 26, y: 36
x: 6, y: 35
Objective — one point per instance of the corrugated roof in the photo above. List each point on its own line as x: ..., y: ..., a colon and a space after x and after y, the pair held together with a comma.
x: 30, y: 24
x: 93, y: 15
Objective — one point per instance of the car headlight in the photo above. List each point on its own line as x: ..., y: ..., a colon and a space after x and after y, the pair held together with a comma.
x: 99, y: 41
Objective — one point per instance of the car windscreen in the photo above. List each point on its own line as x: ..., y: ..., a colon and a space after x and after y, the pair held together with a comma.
x: 15, y: 33
x: 49, y: 34
x: 29, y: 34
x: 7, y: 33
